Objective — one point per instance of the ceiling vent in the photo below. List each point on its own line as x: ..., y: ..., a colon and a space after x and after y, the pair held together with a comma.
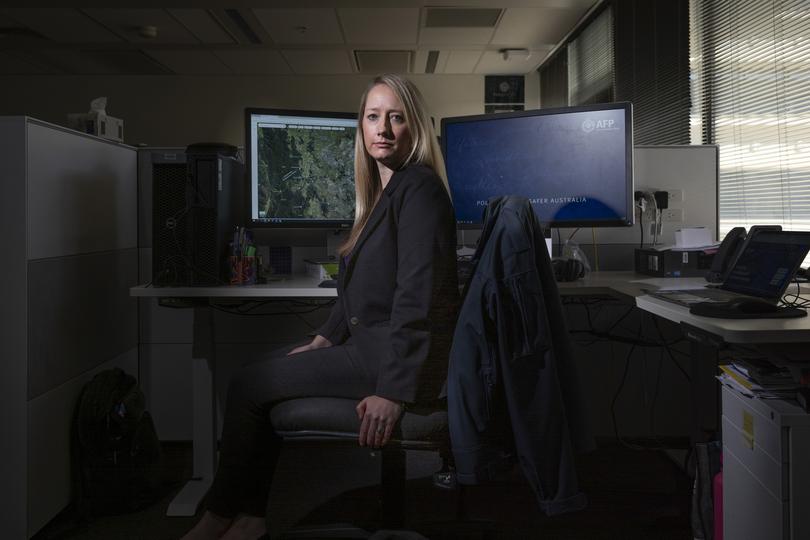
x: 432, y: 59
x: 462, y: 17
x: 383, y: 61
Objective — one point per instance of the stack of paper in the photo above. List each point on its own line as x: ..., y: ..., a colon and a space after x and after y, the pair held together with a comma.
x: 757, y: 377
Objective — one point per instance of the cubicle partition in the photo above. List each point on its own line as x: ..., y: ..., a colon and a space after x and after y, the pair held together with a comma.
x: 68, y: 213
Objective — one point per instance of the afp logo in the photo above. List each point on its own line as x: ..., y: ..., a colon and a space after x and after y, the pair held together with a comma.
x: 590, y: 125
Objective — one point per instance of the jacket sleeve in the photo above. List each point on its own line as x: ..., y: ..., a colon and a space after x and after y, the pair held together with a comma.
x: 425, y: 241
x: 335, y: 328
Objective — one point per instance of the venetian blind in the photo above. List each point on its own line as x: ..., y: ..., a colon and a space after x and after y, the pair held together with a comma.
x: 590, y: 62
x: 751, y: 96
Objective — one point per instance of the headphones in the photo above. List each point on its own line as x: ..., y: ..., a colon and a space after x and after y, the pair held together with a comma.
x: 568, y: 269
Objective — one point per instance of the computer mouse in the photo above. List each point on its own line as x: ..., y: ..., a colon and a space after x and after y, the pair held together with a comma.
x: 750, y: 305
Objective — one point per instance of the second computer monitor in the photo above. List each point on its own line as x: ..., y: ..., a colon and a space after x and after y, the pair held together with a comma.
x: 301, y: 168
x: 574, y: 164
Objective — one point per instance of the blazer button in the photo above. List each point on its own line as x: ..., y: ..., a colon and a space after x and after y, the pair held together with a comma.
x: 354, y: 321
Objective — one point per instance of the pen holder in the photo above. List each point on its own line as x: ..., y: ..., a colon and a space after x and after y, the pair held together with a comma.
x: 243, y: 270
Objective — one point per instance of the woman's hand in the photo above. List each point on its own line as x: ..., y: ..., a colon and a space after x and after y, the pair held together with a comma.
x: 318, y: 342
x: 377, y: 419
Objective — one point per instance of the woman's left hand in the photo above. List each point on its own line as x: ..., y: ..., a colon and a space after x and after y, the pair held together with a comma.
x: 377, y: 419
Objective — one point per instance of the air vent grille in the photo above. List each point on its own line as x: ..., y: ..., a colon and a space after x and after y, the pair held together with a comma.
x: 462, y: 17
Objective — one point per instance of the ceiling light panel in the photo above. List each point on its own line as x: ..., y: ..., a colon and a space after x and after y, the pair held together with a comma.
x: 254, y: 62
x: 204, y: 27
x: 319, y: 62
x: 534, y: 27
x: 380, y: 25
x: 128, y: 23
x: 301, y: 26
x: 63, y: 25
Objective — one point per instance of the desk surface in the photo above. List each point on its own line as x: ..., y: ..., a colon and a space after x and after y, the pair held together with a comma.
x: 297, y: 286
x: 627, y: 286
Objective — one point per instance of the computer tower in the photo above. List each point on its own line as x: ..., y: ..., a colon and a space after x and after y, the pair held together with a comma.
x: 195, y: 207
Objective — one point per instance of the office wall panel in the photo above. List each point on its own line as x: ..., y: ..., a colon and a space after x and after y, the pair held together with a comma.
x: 80, y: 315
x: 81, y: 193
x: 13, y: 330
x: 50, y: 418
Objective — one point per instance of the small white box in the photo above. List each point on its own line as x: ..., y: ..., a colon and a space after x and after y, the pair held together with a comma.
x: 693, y: 237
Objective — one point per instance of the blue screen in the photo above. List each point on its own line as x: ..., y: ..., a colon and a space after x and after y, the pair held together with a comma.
x: 575, y: 166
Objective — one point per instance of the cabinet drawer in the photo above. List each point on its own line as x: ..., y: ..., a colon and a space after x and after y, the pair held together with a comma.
x: 753, y: 418
x: 749, y: 511
x: 762, y: 467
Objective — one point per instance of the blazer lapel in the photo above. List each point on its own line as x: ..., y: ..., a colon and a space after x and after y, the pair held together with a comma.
x: 377, y: 214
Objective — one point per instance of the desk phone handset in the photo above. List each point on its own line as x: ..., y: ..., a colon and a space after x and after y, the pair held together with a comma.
x: 733, y: 244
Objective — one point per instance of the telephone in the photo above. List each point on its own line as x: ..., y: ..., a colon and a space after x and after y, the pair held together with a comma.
x: 730, y: 248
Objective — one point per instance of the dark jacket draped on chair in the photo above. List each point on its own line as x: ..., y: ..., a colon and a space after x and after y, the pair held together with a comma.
x: 512, y: 385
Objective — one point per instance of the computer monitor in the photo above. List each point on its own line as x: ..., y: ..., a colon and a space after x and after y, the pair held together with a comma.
x: 574, y: 164
x: 301, y: 168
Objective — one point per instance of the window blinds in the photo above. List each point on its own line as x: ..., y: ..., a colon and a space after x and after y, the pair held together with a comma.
x: 751, y: 83
x: 590, y: 62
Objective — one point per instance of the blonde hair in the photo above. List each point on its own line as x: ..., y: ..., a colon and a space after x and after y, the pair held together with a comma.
x: 424, y: 151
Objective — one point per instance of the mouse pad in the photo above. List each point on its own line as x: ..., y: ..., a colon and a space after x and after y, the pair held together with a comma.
x: 716, y: 309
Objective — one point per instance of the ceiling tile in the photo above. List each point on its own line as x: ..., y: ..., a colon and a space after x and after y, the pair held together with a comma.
x: 204, y: 27
x: 254, y: 62
x: 455, y: 36
x: 378, y: 61
x: 103, y: 62
x: 534, y: 27
x: 64, y: 25
x: 493, y: 63
x: 363, y: 25
x: 14, y: 64
x: 190, y: 62
x: 309, y: 62
x: 301, y: 26
x: 461, y: 61
x: 127, y: 22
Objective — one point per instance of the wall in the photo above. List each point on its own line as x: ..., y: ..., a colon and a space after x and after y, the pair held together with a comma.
x: 179, y: 110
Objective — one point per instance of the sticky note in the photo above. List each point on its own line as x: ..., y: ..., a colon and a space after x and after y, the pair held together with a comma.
x: 748, y: 428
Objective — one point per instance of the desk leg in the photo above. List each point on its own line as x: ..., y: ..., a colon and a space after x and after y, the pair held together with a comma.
x: 204, y: 413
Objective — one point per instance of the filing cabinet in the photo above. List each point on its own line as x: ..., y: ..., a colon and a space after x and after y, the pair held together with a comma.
x: 766, y: 469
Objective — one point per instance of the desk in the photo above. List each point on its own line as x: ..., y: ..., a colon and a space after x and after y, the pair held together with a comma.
x: 627, y: 287
x: 204, y: 429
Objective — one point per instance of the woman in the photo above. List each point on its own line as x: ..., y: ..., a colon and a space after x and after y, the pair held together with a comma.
x: 387, y: 339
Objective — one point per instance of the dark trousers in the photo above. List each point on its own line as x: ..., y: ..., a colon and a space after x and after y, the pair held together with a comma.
x: 250, y: 447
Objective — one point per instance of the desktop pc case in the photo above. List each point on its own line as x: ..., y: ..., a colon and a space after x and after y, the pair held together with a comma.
x: 196, y: 202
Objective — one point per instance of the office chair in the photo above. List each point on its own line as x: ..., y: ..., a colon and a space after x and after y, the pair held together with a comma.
x: 333, y: 421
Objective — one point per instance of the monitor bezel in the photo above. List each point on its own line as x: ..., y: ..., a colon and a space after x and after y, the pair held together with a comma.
x: 628, y: 119
x: 302, y: 224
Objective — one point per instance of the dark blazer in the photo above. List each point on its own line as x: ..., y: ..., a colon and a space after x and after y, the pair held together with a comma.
x: 512, y: 388
x: 398, y: 289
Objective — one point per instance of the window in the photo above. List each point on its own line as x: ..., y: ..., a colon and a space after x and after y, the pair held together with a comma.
x: 750, y: 68
x: 628, y: 50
